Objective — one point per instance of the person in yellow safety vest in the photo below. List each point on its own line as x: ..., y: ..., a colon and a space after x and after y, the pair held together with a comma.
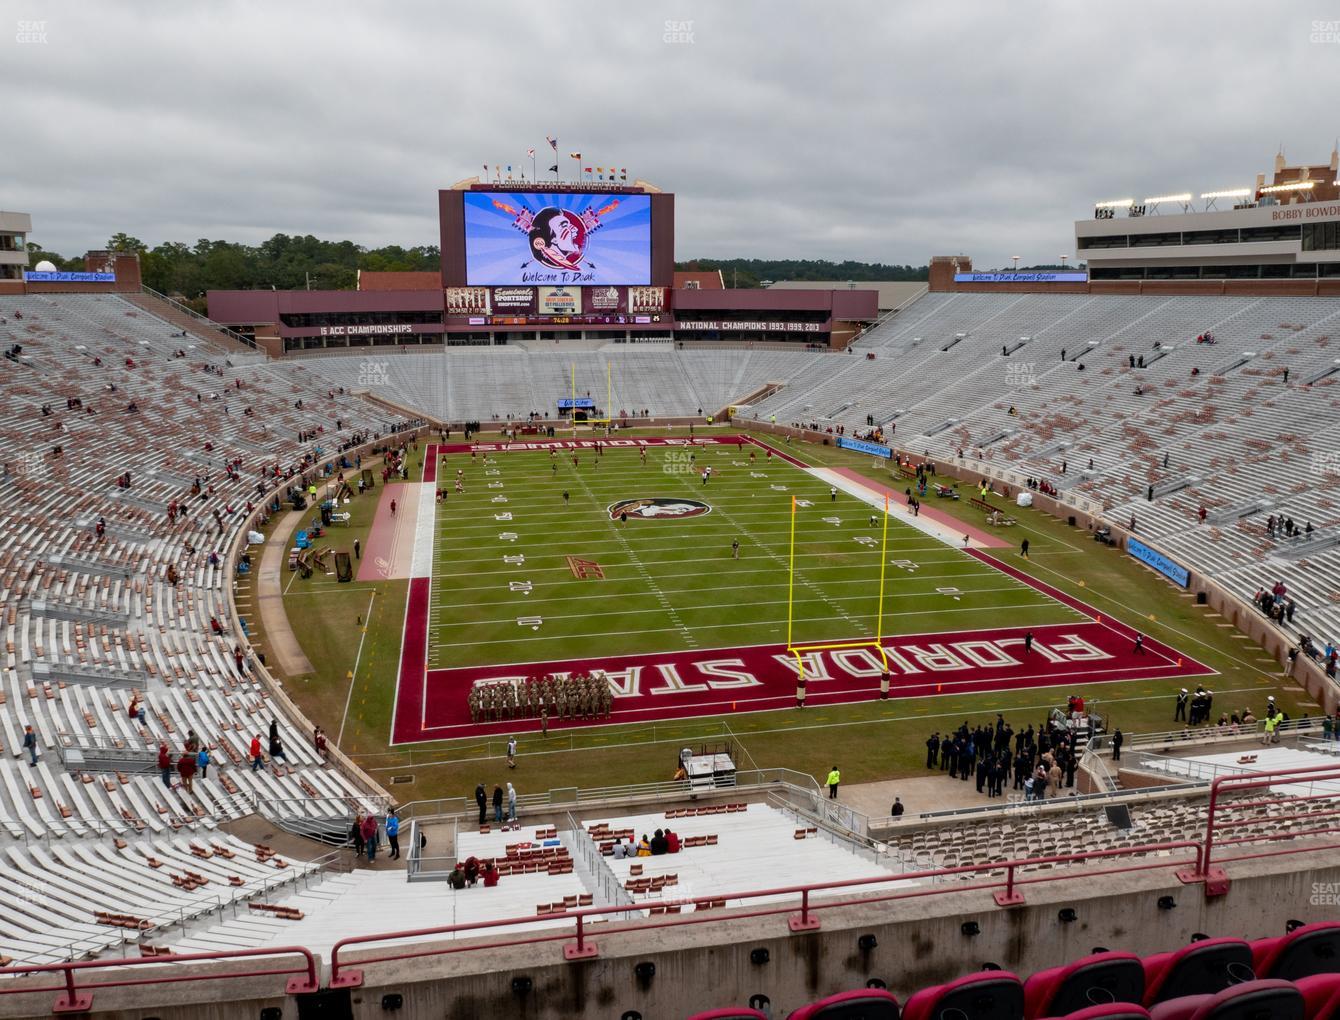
x: 774, y: 419
x: 709, y: 419
x: 1271, y: 724
x: 834, y: 778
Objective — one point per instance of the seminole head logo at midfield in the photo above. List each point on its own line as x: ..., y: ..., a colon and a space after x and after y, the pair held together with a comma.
x: 653, y: 508
x: 557, y: 237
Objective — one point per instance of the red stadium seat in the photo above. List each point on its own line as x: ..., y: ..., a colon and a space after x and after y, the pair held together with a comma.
x: 986, y: 995
x: 1307, y: 950
x: 730, y: 1013
x: 1111, y: 1011
x: 1253, y: 1000
x: 1094, y: 980
x: 1201, y: 968
x: 862, y: 1004
x: 1321, y: 993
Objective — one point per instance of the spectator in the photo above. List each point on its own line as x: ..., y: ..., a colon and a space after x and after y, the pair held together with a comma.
x: 202, y: 761
x: 370, y: 836
x: 498, y: 804
x: 186, y: 768
x: 257, y: 763
x: 164, y: 764
x: 897, y: 810
x: 356, y: 834
x: 490, y: 875
x: 659, y: 845
x: 30, y: 745
x: 671, y: 842
x: 457, y: 877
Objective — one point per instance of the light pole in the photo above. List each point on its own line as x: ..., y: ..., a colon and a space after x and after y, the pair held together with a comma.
x: 1016, y: 262
x: 1063, y: 258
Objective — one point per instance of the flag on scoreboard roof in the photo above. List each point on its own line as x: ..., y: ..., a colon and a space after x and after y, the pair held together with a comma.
x: 553, y: 143
x: 574, y: 155
x: 530, y: 153
x: 554, y: 169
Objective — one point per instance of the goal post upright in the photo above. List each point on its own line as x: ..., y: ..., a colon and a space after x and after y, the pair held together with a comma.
x: 876, y: 643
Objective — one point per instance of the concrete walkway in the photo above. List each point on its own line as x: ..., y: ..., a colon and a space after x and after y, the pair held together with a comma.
x: 284, y: 654
x: 931, y: 792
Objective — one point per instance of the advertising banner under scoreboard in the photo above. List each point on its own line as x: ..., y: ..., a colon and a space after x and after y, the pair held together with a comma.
x: 603, y: 300
x: 560, y: 300
x: 646, y: 299
x: 514, y: 300
x: 467, y: 300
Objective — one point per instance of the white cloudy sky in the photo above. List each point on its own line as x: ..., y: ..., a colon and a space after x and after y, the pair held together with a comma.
x: 883, y: 130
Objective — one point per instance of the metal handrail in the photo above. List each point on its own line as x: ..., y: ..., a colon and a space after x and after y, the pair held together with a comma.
x: 1204, y: 734
x: 210, y: 323
x: 77, y: 998
x: 1216, y: 881
x: 344, y: 975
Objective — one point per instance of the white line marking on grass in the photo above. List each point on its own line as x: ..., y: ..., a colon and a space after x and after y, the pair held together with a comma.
x: 661, y: 597
x: 353, y: 675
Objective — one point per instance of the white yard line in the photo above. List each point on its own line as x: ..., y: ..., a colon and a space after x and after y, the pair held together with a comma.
x: 353, y: 674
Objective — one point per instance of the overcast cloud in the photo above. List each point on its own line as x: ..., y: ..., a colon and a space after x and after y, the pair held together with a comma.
x: 880, y: 131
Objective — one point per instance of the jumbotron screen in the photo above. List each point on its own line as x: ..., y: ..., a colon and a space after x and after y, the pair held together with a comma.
x: 515, y: 238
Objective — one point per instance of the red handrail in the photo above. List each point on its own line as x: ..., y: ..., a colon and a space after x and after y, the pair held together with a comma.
x: 78, y: 998
x: 1215, y: 879
x: 343, y: 975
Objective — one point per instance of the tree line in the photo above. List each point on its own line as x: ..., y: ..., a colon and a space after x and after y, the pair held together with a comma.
x: 286, y: 262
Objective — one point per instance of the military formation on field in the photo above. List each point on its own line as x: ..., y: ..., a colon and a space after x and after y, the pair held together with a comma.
x: 580, y: 696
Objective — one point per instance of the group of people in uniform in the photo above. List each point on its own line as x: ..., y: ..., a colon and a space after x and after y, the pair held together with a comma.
x: 577, y: 696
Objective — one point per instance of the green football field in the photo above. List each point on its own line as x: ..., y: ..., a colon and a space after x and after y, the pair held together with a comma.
x: 505, y: 591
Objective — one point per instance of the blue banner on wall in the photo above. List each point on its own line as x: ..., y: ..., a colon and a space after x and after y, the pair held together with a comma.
x: 31, y: 277
x: 861, y: 446
x: 567, y: 403
x: 1158, y: 561
x: 1021, y: 277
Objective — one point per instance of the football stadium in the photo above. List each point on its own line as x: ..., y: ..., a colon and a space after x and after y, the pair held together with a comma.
x: 965, y: 647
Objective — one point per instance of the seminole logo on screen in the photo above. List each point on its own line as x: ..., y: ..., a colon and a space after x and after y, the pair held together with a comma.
x: 658, y: 508
x: 526, y: 238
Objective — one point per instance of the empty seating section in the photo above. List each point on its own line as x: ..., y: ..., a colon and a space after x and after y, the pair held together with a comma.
x: 724, y: 851
x: 109, y: 413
